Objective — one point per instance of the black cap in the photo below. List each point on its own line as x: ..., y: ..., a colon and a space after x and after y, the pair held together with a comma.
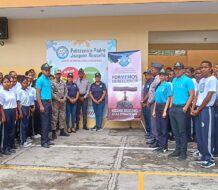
x: 147, y: 72
x: 178, y: 65
x: 163, y: 71
x: 157, y: 65
x: 46, y: 66
x: 70, y: 75
x: 97, y: 74
x: 81, y: 70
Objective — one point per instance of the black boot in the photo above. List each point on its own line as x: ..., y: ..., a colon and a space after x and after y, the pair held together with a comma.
x: 54, y: 136
x: 77, y: 127
x: 85, y: 127
x: 63, y: 133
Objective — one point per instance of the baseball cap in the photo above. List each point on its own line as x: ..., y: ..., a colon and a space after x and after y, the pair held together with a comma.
x: 97, y: 74
x: 45, y: 66
x: 81, y: 70
x: 178, y: 65
x: 147, y: 72
x: 70, y: 75
x: 157, y: 65
x: 58, y: 71
x: 163, y: 71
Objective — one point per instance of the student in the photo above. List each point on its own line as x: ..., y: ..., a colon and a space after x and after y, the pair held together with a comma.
x: 183, y: 94
x: 216, y: 116
x: 72, y: 97
x: 162, y: 98
x: 97, y: 93
x: 203, y: 110
x: 8, y: 109
x: 1, y: 77
x: 23, y: 104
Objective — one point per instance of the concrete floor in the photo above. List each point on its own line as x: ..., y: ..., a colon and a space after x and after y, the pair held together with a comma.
x: 107, y: 160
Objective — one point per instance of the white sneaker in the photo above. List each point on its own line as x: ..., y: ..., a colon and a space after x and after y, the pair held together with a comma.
x: 29, y: 140
x: 37, y: 136
x: 99, y: 130
x: 27, y: 144
x: 196, y: 154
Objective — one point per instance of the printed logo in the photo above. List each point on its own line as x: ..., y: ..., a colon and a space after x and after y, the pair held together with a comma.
x: 201, y: 87
x: 62, y: 52
x: 124, y: 60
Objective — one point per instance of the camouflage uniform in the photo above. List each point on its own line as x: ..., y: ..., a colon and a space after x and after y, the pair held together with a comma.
x: 59, y: 91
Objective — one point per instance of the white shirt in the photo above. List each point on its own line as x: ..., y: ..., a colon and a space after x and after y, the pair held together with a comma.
x: 207, y: 85
x: 23, y: 97
x: 1, y: 87
x: 32, y: 95
x: 195, y: 85
x: 16, y: 88
x: 8, y: 99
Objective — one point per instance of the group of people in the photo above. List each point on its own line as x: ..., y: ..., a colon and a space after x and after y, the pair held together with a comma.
x: 178, y: 103
x: 32, y: 107
x: 181, y: 104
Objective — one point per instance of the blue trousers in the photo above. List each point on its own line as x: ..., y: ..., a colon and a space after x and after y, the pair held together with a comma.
x: 45, y: 118
x: 98, y: 109
x: 24, y: 123
x: 162, y: 127
x: 153, y: 124
x: 1, y: 126
x: 205, y: 132
x: 178, y: 121
x: 147, y: 118
x: 9, y: 129
x: 70, y: 111
x: 216, y: 130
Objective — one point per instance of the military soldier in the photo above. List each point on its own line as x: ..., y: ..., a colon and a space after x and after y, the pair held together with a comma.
x: 59, y: 94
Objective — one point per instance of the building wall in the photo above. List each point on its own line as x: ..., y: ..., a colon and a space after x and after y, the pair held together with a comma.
x: 25, y: 48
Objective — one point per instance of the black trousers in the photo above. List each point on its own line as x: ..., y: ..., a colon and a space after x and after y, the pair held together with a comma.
x: 178, y: 121
x: 45, y: 118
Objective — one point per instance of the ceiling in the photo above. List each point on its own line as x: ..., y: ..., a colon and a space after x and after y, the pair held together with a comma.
x: 111, y: 10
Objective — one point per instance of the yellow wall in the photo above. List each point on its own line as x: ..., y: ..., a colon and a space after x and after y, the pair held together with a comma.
x: 26, y: 45
x: 44, y: 3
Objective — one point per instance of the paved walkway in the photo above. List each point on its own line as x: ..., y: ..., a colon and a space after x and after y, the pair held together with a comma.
x: 109, y: 160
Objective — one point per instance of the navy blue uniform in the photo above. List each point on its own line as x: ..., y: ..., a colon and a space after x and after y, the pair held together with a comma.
x: 71, y: 108
x: 146, y: 110
x: 97, y: 91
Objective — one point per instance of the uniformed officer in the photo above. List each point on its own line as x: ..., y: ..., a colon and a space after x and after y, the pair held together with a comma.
x: 8, y: 105
x: 183, y: 94
x: 155, y: 69
x: 83, y: 85
x: 72, y: 97
x: 44, y: 97
x: 59, y: 94
x: 163, y: 95
x: 146, y: 110
x: 97, y: 93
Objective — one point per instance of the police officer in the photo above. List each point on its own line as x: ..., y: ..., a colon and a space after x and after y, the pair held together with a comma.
x: 44, y: 97
x: 183, y: 94
x: 155, y: 69
x: 163, y: 95
x: 146, y: 110
x: 59, y: 94
x: 72, y: 97
x: 83, y: 85
x: 97, y: 93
